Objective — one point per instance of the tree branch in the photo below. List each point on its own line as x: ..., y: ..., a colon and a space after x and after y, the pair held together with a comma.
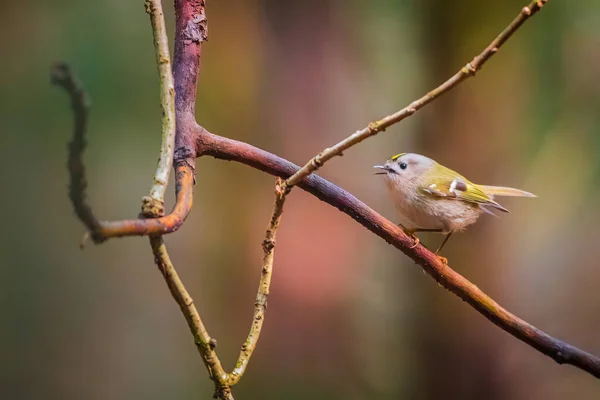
x: 204, y: 343
x: 378, y: 126
x: 102, y: 230
x: 227, y: 149
x: 192, y: 141
x: 62, y: 76
x: 263, y: 287
x: 152, y: 205
x: 167, y: 103
x: 559, y: 351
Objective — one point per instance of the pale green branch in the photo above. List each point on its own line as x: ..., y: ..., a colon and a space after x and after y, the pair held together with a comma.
x: 167, y: 99
x: 263, y: 287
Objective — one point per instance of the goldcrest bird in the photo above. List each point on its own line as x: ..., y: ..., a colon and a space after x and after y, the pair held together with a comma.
x: 432, y: 198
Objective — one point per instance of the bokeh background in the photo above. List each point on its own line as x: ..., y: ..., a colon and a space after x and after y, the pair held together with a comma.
x: 349, y: 316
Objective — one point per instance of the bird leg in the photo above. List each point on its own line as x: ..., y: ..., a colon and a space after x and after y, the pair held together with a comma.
x: 443, y: 259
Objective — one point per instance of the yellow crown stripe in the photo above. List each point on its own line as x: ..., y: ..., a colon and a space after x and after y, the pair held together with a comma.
x: 397, y: 156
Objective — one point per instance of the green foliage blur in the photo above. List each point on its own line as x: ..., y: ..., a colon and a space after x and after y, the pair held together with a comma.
x: 349, y: 317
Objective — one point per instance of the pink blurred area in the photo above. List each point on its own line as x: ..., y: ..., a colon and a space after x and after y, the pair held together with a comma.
x: 349, y: 317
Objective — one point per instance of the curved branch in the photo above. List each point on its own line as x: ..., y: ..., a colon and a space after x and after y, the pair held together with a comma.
x: 561, y: 352
x: 62, y: 76
x: 187, y: 53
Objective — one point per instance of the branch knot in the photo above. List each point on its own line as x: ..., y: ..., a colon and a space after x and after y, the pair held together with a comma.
x: 470, y: 68
x: 373, y: 128
x: 268, y: 245
x: 282, y: 188
x: 152, y: 208
x: 196, y: 30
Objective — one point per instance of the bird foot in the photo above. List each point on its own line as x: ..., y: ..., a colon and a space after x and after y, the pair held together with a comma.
x: 417, y: 241
x: 413, y: 236
x: 444, y: 260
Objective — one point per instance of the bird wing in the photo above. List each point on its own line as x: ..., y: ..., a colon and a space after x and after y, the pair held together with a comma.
x: 453, y: 186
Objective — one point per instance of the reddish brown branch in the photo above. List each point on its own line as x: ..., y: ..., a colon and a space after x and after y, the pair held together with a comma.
x: 152, y: 206
x: 101, y: 230
x: 184, y: 178
x: 561, y: 352
x: 190, y: 31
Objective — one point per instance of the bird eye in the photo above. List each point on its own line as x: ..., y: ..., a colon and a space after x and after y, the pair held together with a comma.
x: 403, y: 165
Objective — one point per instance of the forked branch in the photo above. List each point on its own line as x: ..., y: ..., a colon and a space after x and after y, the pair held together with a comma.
x: 193, y: 141
x: 151, y: 219
x: 101, y: 230
x: 152, y: 204
x: 220, y: 147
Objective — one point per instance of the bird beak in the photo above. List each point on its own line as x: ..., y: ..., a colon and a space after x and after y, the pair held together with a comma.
x: 383, y: 167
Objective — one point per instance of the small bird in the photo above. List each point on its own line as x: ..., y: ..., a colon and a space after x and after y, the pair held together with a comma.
x: 432, y: 198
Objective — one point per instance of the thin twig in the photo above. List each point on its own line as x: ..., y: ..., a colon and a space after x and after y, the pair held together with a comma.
x: 263, y: 287
x: 378, y: 126
x: 62, y: 76
x: 204, y: 343
x: 167, y: 103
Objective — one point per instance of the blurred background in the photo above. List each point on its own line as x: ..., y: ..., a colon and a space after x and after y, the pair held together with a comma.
x: 349, y: 316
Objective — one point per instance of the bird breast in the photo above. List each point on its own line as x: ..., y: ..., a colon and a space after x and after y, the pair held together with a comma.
x: 419, y: 210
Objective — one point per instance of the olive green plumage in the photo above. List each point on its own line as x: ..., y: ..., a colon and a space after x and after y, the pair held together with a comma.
x: 431, y: 197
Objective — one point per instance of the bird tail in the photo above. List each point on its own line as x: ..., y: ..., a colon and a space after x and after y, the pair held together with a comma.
x: 505, y: 191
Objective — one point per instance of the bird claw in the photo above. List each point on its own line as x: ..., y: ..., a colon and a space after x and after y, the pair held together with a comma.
x: 417, y: 241
x: 444, y: 260
x: 413, y: 236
